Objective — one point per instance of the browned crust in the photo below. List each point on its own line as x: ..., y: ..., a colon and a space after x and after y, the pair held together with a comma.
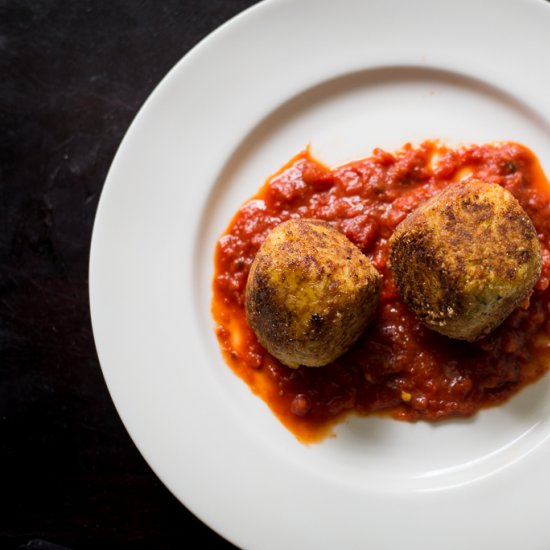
x: 310, y: 293
x: 465, y: 259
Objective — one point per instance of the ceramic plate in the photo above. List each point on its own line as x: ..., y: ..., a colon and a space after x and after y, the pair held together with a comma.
x: 343, y: 77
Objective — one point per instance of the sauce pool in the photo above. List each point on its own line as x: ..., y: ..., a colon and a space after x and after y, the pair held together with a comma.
x: 398, y: 366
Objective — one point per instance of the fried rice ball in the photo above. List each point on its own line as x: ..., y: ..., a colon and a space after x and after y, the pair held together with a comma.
x: 465, y: 259
x: 310, y: 293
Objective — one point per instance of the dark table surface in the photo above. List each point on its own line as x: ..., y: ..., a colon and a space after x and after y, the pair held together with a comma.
x: 73, y: 76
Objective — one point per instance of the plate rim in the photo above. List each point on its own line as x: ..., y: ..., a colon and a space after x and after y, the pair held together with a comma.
x: 97, y: 236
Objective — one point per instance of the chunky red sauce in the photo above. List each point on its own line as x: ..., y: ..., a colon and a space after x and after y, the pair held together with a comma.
x: 398, y: 365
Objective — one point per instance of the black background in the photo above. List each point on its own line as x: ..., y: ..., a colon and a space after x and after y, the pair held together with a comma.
x: 72, y: 77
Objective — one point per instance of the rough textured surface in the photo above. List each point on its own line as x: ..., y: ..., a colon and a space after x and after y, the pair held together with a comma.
x: 74, y: 74
x: 310, y: 293
x: 464, y: 260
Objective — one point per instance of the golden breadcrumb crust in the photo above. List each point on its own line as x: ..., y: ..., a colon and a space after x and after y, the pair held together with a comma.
x: 310, y: 293
x: 465, y: 259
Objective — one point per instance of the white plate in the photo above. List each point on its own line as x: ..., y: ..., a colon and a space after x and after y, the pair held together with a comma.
x: 345, y: 76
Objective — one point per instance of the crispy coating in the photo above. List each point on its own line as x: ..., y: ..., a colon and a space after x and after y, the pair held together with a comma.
x: 310, y: 293
x: 465, y: 259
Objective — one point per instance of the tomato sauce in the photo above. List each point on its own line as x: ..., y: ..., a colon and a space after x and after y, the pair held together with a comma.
x: 398, y: 366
